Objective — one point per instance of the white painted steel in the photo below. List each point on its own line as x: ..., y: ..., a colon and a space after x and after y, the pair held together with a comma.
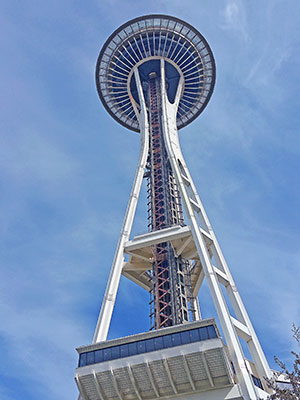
x: 194, y: 208
x: 207, y: 248
x: 116, y: 269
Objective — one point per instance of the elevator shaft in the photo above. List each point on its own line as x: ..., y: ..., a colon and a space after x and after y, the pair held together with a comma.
x: 169, y: 293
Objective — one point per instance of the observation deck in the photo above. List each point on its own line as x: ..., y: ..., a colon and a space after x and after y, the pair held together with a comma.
x: 182, y: 360
x: 141, y: 43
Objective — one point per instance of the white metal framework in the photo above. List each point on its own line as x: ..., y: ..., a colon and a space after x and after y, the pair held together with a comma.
x: 154, y: 37
x: 195, y: 242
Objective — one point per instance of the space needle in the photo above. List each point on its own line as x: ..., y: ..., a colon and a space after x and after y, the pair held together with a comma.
x: 154, y: 75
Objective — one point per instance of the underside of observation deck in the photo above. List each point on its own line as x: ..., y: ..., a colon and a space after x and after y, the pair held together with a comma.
x: 153, y: 37
x: 173, y: 362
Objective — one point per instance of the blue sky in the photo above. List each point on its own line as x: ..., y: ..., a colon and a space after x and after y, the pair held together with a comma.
x: 67, y: 168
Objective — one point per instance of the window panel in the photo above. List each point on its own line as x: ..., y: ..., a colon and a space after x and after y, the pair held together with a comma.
x: 176, y: 340
x: 107, y: 354
x: 132, y: 349
x: 124, y: 351
x: 212, y: 332
x: 149, y: 344
x: 194, y: 334
x: 185, y: 337
x: 167, y: 341
x: 141, y: 347
x: 158, y: 343
x: 115, y: 352
x: 90, y: 357
x: 203, y: 333
x: 82, y: 360
x: 98, y: 356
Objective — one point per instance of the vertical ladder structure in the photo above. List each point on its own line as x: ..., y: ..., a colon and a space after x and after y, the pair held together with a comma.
x: 154, y: 75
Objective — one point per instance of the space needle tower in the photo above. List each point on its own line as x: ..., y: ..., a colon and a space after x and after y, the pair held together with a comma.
x: 155, y: 74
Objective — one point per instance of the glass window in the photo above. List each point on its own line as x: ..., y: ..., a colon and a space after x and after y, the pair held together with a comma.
x: 211, y: 332
x: 90, y: 357
x: 167, y: 340
x: 132, y: 349
x: 115, y: 352
x: 82, y: 360
x: 149, y: 345
x: 158, y: 343
x: 141, y: 347
x: 124, y: 350
x: 185, y: 337
x: 257, y: 382
x: 203, y: 333
x: 176, y: 340
x: 107, y: 354
x: 194, y: 334
x: 98, y: 356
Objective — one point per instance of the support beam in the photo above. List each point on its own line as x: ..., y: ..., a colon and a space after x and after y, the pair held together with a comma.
x: 241, y: 329
x: 132, y: 379
x: 136, y: 280
x: 183, y: 246
x: 195, y: 205
x: 222, y: 277
x: 199, y: 282
x: 149, y: 373
x: 185, y: 180
x: 108, y: 303
x: 156, y: 237
x: 142, y: 257
x: 115, y: 383
x: 207, y: 370
x: 188, y: 372
x: 165, y: 362
x: 97, y: 386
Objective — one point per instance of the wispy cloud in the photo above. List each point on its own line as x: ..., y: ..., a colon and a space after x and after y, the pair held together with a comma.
x: 234, y: 15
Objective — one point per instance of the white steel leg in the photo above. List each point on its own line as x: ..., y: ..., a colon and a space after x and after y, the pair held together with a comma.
x: 194, y: 209
x: 108, y: 302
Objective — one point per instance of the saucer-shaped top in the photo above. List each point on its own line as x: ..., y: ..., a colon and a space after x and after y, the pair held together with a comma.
x: 148, y: 38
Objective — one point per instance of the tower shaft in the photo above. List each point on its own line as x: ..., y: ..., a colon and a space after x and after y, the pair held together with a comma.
x: 164, y: 207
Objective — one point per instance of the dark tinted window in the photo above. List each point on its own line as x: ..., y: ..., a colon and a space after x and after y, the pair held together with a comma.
x: 257, y: 382
x: 167, y: 340
x: 203, y: 333
x: 132, y: 349
x: 82, y: 360
x: 107, y: 354
x: 194, y: 334
x: 149, y: 344
x: 144, y: 346
x: 124, y: 350
x: 98, y: 356
x: 141, y: 347
x: 176, y: 341
x: 185, y: 337
x: 90, y: 357
x: 158, y: 343
x: 211, y: 332
x: 115, y: 352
